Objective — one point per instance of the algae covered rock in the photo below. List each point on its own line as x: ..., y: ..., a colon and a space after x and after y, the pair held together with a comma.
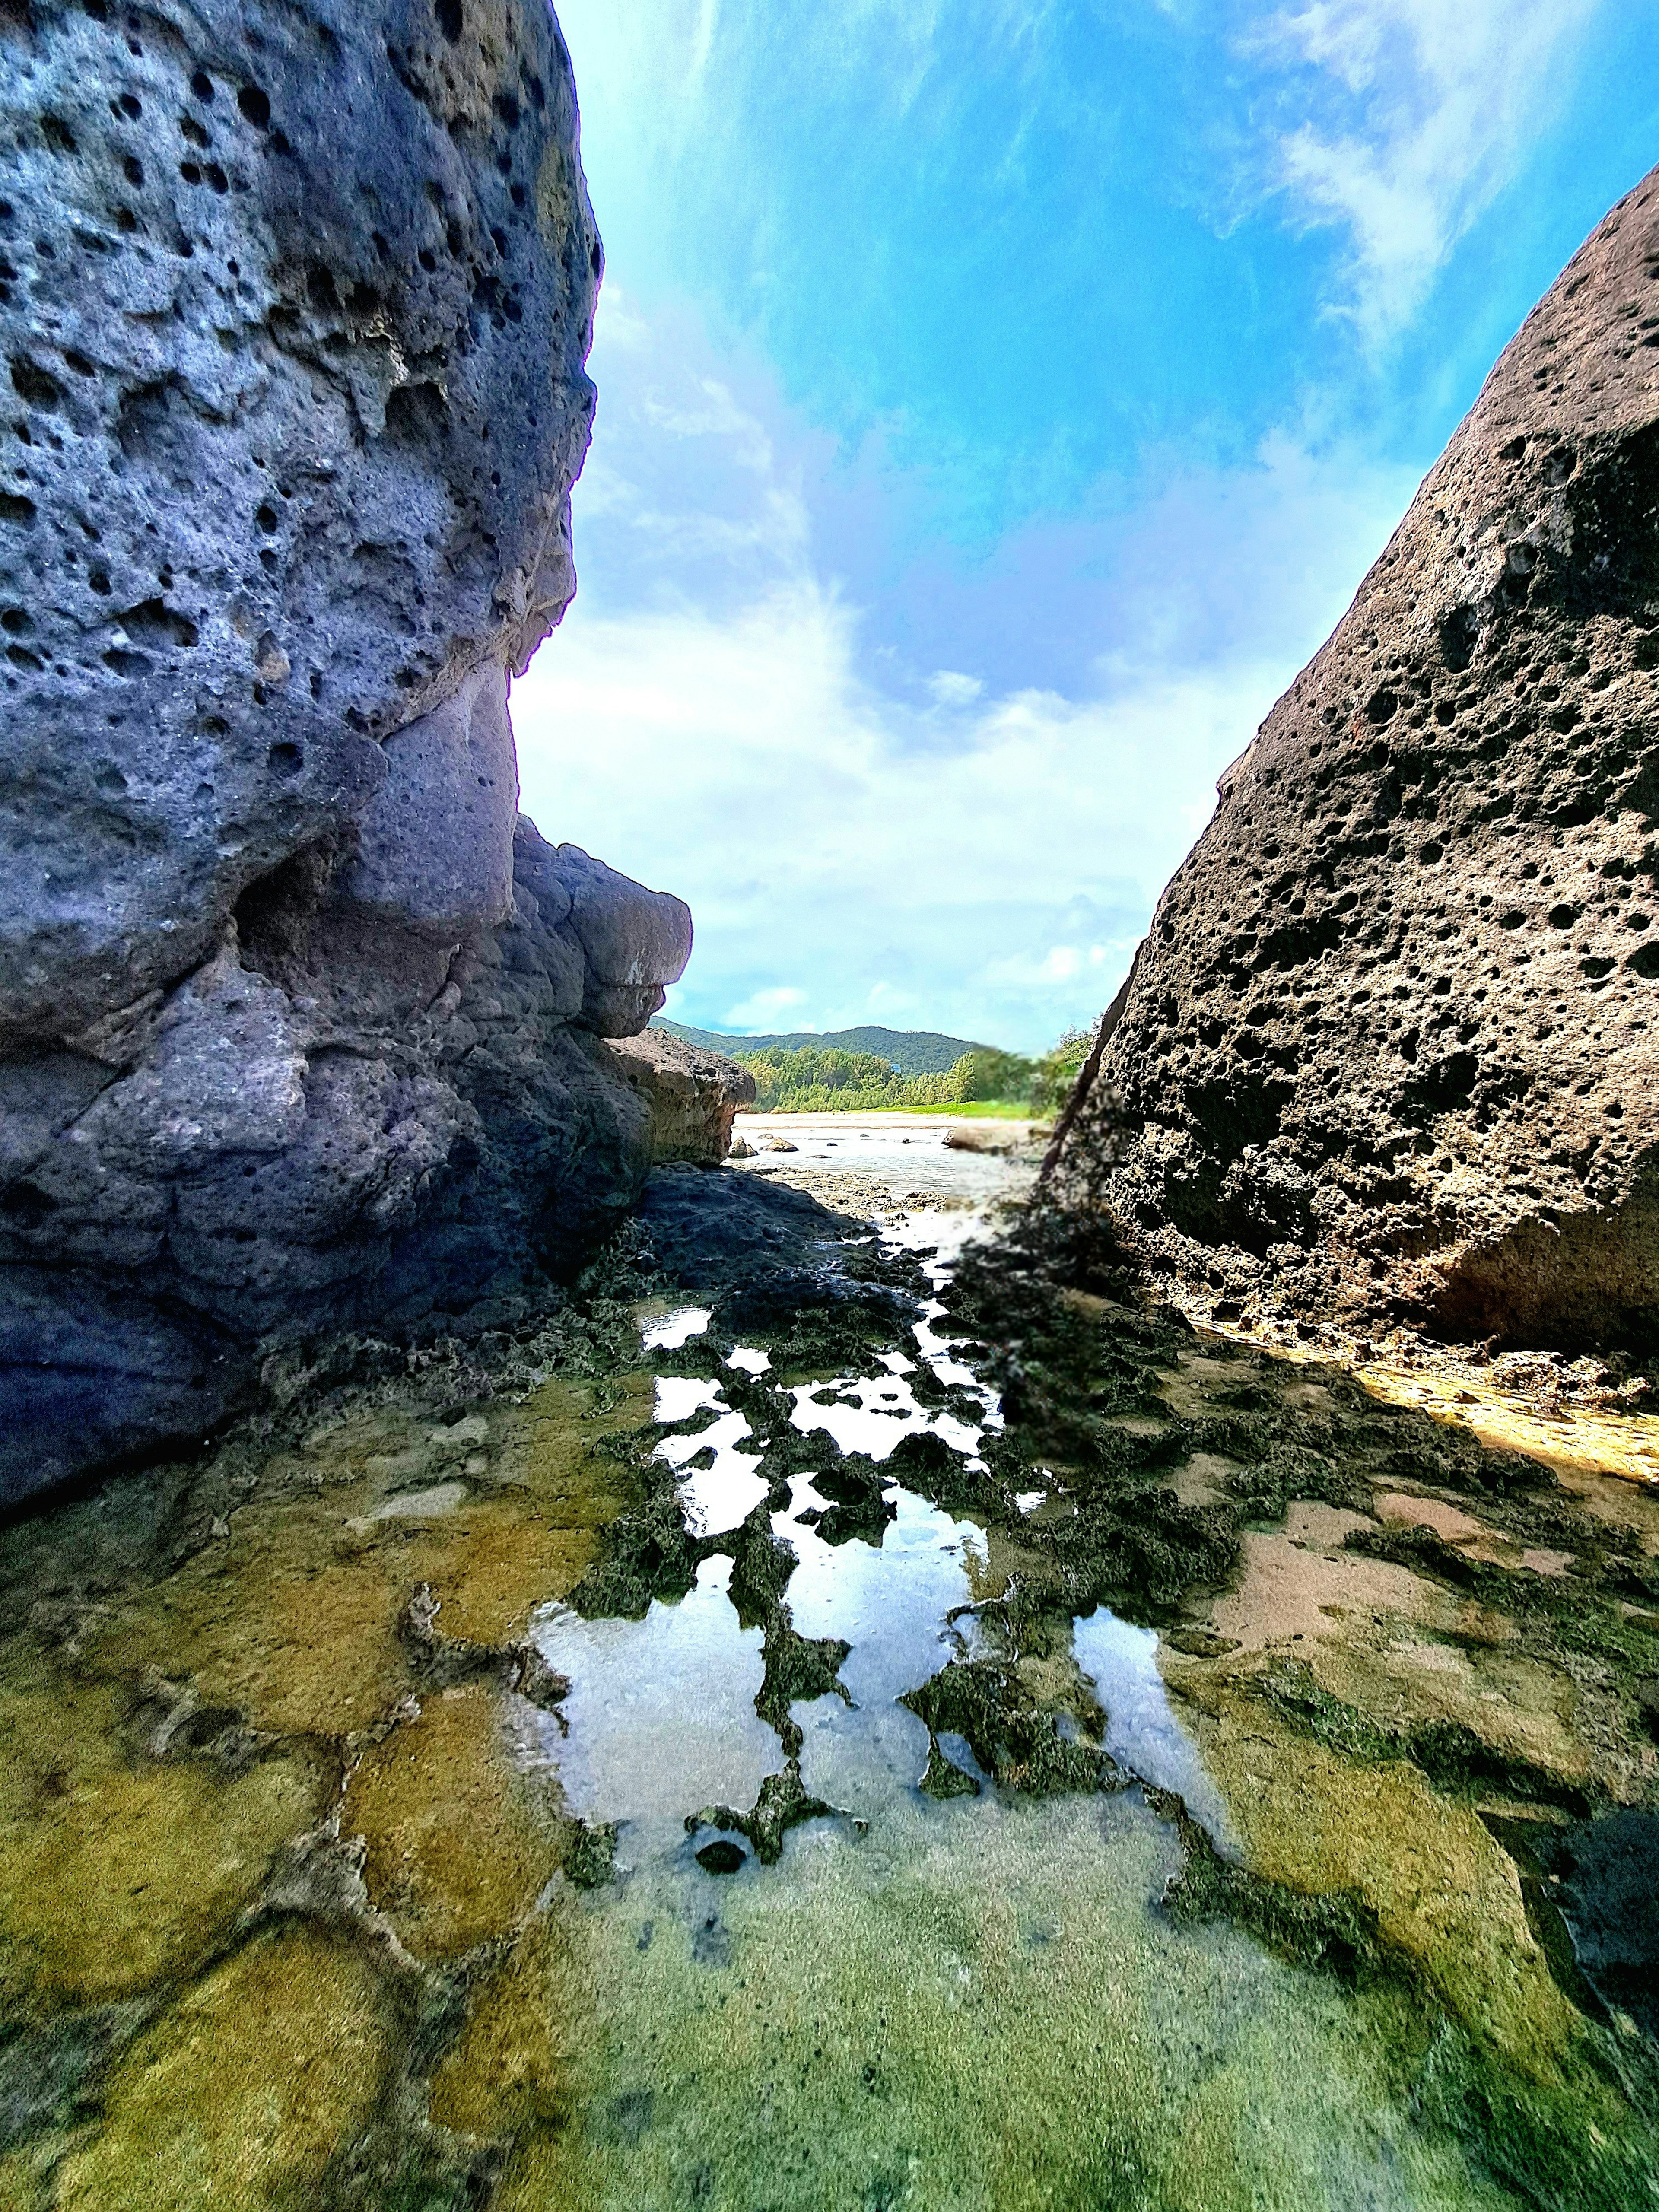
x: 1389, y: 1043
x: 298, y: 1018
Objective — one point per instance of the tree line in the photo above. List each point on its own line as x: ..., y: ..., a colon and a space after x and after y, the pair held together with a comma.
x: 813, y: 1079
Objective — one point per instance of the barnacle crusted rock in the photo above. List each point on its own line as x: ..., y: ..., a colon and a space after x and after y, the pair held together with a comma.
x: 1389, y: 1042
x: 298, y: 1018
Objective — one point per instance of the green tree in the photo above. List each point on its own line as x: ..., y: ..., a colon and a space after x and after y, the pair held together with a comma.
x: 988, y: 1073
x: 1056, y: 1072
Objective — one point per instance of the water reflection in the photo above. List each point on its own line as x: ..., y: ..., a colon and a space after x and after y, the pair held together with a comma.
x: 1142, y: 1732
x: 661, y: 1712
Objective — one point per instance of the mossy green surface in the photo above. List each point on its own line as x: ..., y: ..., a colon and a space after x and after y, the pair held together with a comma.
x: 237, y: 2099
x: 283, y: 1924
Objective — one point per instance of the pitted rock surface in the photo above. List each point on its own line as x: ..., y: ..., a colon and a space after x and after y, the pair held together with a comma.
x: 1390, y: 1040
x: 296, y: 305
x: 298, y: 1018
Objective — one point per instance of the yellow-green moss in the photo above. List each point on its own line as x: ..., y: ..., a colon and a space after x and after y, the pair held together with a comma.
x: 457, y: 1848
x: 116, y: 1869
x: 512, y: 2066
x: 294, y: 1616
x: 245, y: 2090
x: 1446, y: 1896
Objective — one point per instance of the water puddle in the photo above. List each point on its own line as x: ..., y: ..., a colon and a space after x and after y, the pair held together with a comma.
x: 660, y: 1714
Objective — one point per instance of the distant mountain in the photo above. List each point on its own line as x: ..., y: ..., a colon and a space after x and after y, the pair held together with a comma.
x: 912, y: 1052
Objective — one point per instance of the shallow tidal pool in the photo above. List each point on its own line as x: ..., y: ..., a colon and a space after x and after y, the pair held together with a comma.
x: 967, y: 1743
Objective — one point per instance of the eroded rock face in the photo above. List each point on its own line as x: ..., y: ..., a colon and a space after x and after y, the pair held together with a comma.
x: 299, y: 1019
x: 1390, y: 1040
x: 694, y: 1095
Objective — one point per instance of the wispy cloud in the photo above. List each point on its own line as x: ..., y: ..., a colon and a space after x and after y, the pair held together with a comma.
x: 839, y: 871
x: 1401, y: 120
x: 777, y: 1007
x: 865, y: 834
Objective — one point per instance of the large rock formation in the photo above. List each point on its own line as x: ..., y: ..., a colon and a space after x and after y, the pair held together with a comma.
x: 295, y: 1032
x: 1391, y: 1042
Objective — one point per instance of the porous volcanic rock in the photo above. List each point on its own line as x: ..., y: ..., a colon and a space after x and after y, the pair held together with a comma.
x: 300, y: 1021
x: 1390, y: 1043
x: 694, y: 1095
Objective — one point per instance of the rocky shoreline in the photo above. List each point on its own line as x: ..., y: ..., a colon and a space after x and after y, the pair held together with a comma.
x: 274, y: 1716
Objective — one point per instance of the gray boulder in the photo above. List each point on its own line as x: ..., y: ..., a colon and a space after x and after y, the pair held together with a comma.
x: 1392, y: 1044
x: 300, y: 1021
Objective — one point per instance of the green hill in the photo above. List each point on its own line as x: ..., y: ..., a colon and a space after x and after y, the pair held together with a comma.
x: 912, y: 1052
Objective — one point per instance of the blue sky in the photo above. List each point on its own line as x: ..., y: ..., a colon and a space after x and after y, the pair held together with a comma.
x: 998, y: 401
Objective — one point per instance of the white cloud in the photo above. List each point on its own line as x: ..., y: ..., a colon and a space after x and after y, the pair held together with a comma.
x: 765, y: 1010
x: 1414, y: 115
x: 952, y: 689
x: 861, y: 840
x: 742, y: 762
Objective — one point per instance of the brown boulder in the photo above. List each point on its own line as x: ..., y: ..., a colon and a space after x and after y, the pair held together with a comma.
x: 1388, y: 1046
x: 694, y: 1095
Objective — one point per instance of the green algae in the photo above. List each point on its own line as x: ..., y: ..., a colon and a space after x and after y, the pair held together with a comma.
x: 457, y: 1847
x: 240, y: 2094
x: 989, y: 2015
x: 120, y: 1869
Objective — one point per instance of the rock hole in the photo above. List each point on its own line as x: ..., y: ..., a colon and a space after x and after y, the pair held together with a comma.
x: 121, y: 663
x: 133, y: 169
x: 1380, y: 706
x: 255, y: 105
x: 27, y: 1204
x: 15, y: 623
x: 125, y: 220
x: 32, y: 383
x: 1460, y: 632
x: 79, y: 362
x: 320, y: 287
x: 14, y: 508
x: 201, y: 85
x: 21, y: 657
x: 448, y: 13
x: 596, y: 259
x: 285, y: 761
x: 154, y: 622
x: 416, y: 414
x: 190, y: 129
x: 57, y: 133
